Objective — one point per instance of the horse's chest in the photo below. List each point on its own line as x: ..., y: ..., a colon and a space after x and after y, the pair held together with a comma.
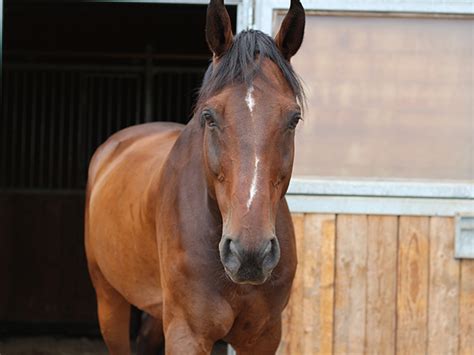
x: 253, y: 319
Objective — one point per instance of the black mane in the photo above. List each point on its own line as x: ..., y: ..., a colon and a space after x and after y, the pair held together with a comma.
x: 242, y: 63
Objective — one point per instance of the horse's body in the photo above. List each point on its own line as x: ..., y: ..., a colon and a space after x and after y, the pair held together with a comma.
x: 169, y: 230
x: 128, y: 204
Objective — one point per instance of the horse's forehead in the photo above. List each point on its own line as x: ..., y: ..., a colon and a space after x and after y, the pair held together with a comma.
x: 266, y: 93
x: 272, y: 75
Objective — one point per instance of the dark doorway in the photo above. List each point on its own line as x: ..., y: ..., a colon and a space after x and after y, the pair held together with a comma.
x: 74, y: 73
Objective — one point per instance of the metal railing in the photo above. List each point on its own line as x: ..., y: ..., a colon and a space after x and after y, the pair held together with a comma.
x: 55, y: 116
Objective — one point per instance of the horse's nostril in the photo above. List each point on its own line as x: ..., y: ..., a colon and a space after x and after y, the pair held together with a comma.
x: 268, y: 248
x: 229, y: 253
x: 271, y: 255
x: 233, y: 248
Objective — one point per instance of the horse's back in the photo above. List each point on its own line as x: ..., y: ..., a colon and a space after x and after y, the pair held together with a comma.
x: 120, y: 230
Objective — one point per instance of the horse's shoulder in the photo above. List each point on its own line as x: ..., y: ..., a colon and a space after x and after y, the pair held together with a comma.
x: 125, y: 138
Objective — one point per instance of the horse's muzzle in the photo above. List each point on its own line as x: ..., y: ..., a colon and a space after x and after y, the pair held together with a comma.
x: 246, y: 266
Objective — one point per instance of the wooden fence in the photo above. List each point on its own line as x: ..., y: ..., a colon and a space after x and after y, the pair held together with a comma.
x: 379, y: 285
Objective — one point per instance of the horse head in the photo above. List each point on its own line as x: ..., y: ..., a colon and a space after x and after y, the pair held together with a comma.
x: 249, y: 106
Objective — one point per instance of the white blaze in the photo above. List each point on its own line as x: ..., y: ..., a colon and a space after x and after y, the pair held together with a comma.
x: 253, y: 186
x: 249, y: 99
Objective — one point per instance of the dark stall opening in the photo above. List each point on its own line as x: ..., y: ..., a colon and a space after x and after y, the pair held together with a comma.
x: 74, y: 73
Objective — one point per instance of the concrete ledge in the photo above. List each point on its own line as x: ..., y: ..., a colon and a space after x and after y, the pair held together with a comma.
x: 381, y: 188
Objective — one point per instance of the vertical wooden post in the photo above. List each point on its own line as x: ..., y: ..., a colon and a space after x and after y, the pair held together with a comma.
x: 351, y: 284
x: 412, y: 292
x: 381, y: 284
x: 443, y: 319
x: 466, y: 308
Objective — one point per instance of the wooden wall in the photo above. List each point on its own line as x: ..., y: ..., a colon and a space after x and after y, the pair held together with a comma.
x: 379, y: 284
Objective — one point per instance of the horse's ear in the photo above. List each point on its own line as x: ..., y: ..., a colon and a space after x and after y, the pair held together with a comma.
x: 218, y: 28
x: 290, y: 35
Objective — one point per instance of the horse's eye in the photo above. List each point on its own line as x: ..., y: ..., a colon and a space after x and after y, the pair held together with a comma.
x: 294, y: 121
x: 208, y: 118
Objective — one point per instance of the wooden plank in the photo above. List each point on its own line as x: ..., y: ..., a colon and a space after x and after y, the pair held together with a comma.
x: 381, y: 284
x: 318, y: 275
x: 443, y: 317
x: 412, y: 290
x: 351, y: 284
x: 466, y: 309
x: 292, y: 328
x: 327, y: 270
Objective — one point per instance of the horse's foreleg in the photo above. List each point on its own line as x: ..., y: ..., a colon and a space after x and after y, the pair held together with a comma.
x: 150, y: 337
x: 266, y: 344
x: 114, y: 315
x: 180, y: 339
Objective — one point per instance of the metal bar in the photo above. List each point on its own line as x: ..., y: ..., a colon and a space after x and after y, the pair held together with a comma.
x: 14, y: 131
x: 128, y: 101
x: 82, y: 149
x: 21, y: 178
x: 72, y: 119
x: 380, y: 188
x: 34, y: 109
x: 174, y: 69
x: 169, y: 89
x: 1, y: 45
x: 138, y: 101
x: 102, y: 70
x: 90, y: 93
x: 148, y: 80
x: 6, y: 119
x: 119, y: 116
x: 52, y: 122
x: 101, y: 110
x: 158, y: 96
x: 378, y: 205
x: 110, y: 88
x: 62, y: 117
x: 42, y: 191
x: 125, y: 55
x: 179, y: 98
x: 42, y: 130
x: 189, y: 95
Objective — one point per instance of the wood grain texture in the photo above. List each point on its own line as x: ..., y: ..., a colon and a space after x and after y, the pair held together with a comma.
x: 378, y: 285
x: 381, y: 284
x: 466, y: 309
x: 311, y: 272
x: 351, y: 284
x: 293, y: 331
x: 318, y: 275
x: 328, y: 259
x: 412, y: 285
x: 443, y: 319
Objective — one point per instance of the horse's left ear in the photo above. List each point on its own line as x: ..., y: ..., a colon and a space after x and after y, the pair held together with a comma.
x: 290, y: 35
x: 218, y: 28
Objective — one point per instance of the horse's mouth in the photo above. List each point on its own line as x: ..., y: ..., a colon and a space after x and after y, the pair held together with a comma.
x: 244, y: 278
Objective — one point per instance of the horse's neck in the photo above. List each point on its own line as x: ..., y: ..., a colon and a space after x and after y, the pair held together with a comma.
x: 183, y: 179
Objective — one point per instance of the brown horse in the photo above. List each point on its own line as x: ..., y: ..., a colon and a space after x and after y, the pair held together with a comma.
x: 190, y: 223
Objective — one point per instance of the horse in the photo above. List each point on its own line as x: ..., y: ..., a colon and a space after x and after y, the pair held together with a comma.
x: 190, y: 223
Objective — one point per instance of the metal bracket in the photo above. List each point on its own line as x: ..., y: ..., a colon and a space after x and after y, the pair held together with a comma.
x: 464, y: 237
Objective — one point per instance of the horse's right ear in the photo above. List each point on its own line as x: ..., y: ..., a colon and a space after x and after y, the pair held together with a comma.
x: 218, y: 28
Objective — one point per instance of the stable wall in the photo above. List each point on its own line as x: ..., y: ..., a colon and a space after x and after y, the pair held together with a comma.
x: 378, y: 284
